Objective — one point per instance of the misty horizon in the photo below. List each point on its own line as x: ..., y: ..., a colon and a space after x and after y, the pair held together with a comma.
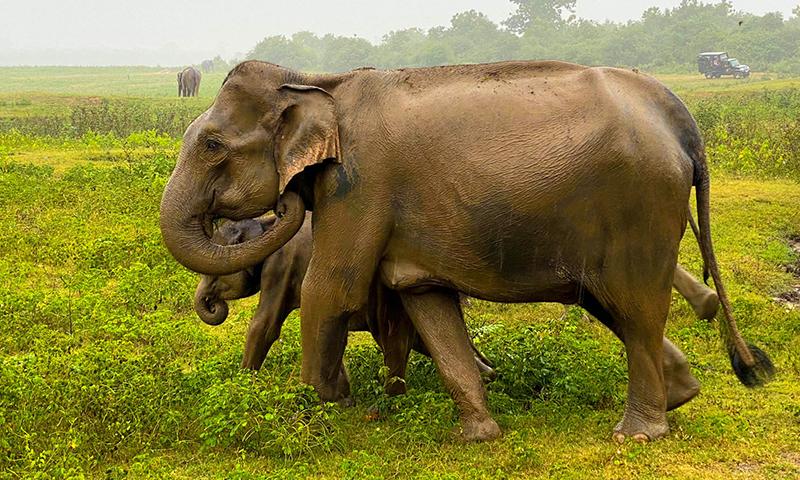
x: 114, y: 33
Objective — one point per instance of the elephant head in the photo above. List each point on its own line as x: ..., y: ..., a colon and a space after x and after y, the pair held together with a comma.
x: 210, y: 298
x: 246, y: 155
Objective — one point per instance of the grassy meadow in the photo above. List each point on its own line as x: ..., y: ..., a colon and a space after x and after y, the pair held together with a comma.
x: 107, y: 373
x: 124, y: 81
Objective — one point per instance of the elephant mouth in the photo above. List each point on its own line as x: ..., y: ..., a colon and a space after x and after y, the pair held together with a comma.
x: 210, y: 223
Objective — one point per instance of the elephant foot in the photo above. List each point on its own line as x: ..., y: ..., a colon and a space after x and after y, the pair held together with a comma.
x: 705, y: 306
x: 395, y: 386
x: 681, y: 385
x: 639, y: 430
x: 337, y: 391
x: 479, y: 430
x: 329, y: 395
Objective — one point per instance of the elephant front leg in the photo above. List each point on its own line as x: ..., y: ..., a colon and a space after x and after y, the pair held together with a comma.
x: 336, y: 287
x: 327, y: 302
x: 437, y: 317
x: 264, y: 330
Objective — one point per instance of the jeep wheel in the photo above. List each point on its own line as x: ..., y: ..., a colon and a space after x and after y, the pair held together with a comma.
x: 738, y: 75
x: 709, y: 76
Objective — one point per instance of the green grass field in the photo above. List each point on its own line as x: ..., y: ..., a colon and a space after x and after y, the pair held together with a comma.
x: 106, y: 372
x: 123, y: 81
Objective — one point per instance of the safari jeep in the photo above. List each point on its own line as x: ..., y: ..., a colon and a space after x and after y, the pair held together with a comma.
x: 717, y: 64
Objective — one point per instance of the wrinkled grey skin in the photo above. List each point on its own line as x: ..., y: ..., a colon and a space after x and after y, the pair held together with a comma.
x: 189, y: 82
x: 207, y: 66
x: 510, y: 182
x: 279, y: 279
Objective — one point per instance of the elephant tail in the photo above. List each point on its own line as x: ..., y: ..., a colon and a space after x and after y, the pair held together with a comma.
x: 751, y: 365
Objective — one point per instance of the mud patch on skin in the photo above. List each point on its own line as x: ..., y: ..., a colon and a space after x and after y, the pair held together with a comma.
x: 791, y: 297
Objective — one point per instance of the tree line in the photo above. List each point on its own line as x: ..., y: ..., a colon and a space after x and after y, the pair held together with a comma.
x: 663, y: 40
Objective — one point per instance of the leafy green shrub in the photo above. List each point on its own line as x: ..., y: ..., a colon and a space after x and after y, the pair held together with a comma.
x: 102, y: 116
x: 251, y: 412
x: 754, y: 133
x: 557, y: 360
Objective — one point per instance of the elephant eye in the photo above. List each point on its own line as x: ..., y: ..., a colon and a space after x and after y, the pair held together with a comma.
x: 212, y: 145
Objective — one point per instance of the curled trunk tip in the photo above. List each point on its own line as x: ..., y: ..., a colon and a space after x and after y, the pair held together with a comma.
x: 212, y: 311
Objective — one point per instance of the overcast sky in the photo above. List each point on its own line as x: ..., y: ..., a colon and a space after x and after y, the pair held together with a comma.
x: 176, y: 31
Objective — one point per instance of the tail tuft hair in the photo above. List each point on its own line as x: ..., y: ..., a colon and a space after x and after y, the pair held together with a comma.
x: 759, y: 374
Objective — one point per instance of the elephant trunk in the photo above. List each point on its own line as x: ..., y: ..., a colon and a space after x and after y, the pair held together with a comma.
x: 186, y: 232
x: 212, y: 311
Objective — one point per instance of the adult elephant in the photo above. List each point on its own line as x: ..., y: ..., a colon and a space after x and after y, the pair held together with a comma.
x: 207, y: 66
x: 511, y: 182
x: 189, y: 82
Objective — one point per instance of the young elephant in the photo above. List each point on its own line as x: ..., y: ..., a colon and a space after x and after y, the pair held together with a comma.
x: 279, y: 279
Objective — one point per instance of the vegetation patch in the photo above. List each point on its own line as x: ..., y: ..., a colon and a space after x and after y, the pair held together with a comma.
x: 105, y: 371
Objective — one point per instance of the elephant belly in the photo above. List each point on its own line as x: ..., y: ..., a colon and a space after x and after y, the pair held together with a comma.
x: 417, y: 277
x: 538, y: 241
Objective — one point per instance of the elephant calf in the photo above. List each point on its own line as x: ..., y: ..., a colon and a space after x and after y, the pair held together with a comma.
x: 279, y: 279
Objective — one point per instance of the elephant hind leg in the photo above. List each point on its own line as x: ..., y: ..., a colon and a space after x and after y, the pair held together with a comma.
x: 704, y: 301
x: 638, y: 320
x: 437, y: 316
x: 681, y: 385
x: 394, y: 332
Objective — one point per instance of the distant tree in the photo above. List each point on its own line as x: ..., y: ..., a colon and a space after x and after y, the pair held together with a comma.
x: 220, y: 65
x: 662, y: 40
x: 346, y: 53
x: 474, y: 38
x: 547, y: 12
x: 279, y: 50
x: 434, y: 52
x: 398, y: 48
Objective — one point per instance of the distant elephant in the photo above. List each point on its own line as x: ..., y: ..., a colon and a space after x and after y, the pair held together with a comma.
x: 207, y: 66
x: 189, y: 82
x: 279, y: 278
x: 510, y: 182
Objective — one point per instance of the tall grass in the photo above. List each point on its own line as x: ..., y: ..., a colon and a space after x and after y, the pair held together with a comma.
x: 120, y: 116
x: 751, y: 133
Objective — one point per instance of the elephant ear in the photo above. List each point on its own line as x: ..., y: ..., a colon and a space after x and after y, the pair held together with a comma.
x: 309, y: 134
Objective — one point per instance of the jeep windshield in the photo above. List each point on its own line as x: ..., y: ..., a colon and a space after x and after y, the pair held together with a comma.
x: 734, y: 62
